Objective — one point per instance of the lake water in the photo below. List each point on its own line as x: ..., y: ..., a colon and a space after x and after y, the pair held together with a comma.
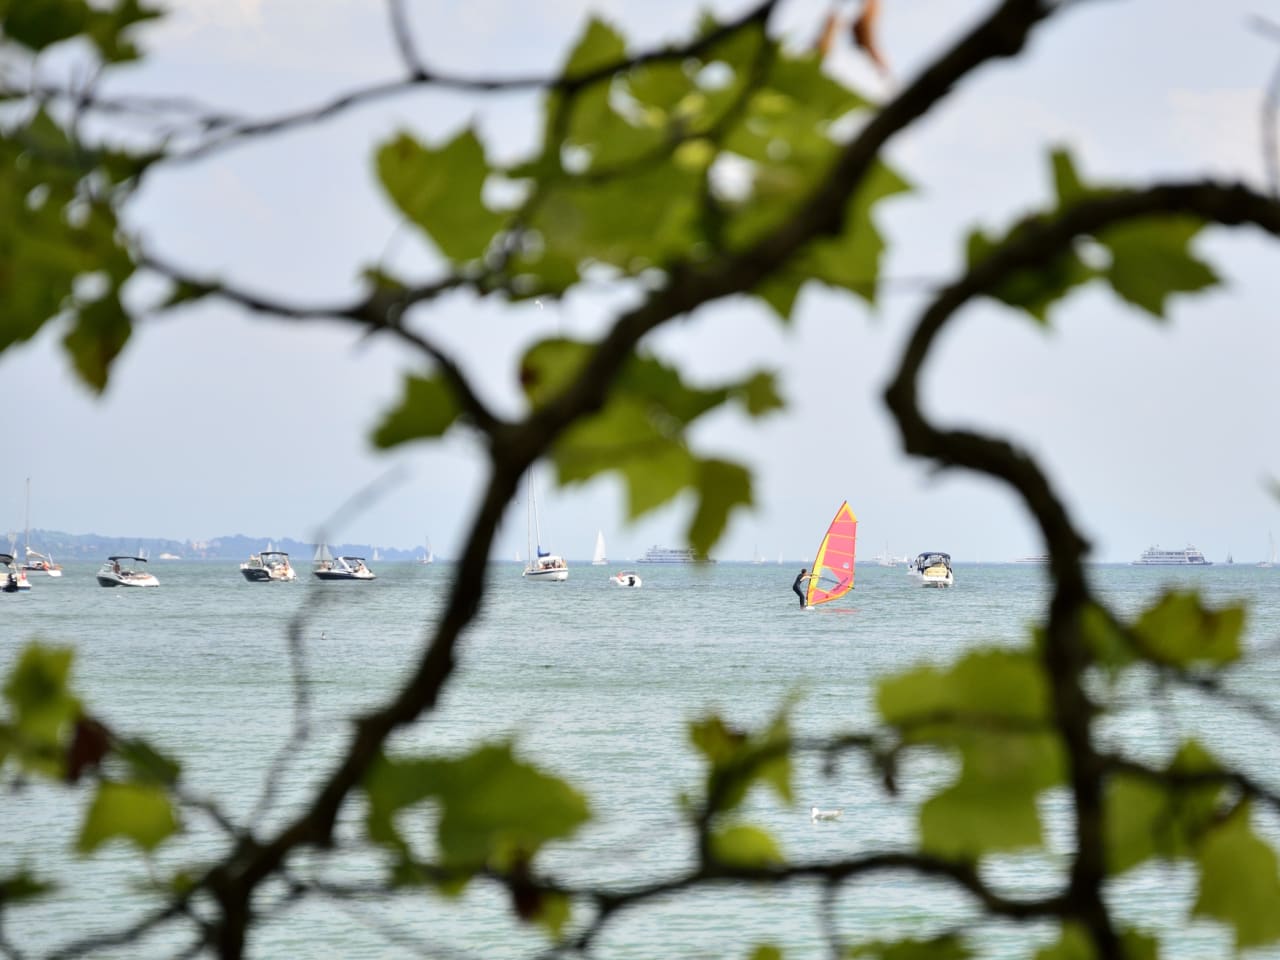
x: 596, y: 684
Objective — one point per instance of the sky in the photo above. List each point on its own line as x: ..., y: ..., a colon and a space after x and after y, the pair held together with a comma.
x: 218, y: 422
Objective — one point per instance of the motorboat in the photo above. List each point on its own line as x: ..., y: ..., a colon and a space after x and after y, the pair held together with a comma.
x: 626, y: 578
x: 269, y: 565
x: 932, y: 569
x: 12, y: 577
x: 344, y: 568
x: 114, y: 574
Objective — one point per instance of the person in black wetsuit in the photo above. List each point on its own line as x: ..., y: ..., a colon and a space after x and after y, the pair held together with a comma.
x: 801, y: 577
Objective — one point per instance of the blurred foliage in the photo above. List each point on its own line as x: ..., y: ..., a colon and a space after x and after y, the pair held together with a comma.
x: 649, y: 170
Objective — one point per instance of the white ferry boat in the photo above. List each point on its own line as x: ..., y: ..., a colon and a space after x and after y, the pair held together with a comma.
x: 656, y: 554
x: 1156, y: 556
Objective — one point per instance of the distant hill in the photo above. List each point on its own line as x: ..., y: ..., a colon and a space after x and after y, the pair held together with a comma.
x: 92, y: 546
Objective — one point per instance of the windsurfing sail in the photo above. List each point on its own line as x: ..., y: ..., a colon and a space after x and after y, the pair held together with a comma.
x: 832, y: 574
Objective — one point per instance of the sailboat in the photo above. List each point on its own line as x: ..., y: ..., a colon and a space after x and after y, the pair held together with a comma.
x: 323, y: 559
x: 542, y: 565
x: 756, y: 558
x: 598, y: 559
x: 34, y: 561
x: 428, y: 557
x: 1271, y: 560
x: 832, y: 574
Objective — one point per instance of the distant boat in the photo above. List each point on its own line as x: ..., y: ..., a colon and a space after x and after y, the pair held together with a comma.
x: 112, y: 574
x: 376, y: 555
x: 598, y: 559
x: 932, y: 569
x: 832, y: 574
x: 756, y: 558
x: 656, y: 554
x: 885, y: 558
x: 542, y: 565
x: 1033, y: 558
x: 428, y: 556
x: 36, y: 562
x: 626, y: 578
x: 1155, y: 556
x: 322, y: 559
x: 1271, y: 558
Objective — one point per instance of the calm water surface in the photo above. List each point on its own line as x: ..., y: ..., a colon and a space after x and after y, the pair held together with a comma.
x: 596, y: 684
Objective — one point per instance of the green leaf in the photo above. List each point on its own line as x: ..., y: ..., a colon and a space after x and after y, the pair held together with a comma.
x: 1036, y: 290
x: 1178, y: 630
x: 146, y: 764
x: 441, y: 191
x: 1074, y: 944
x: 1239, y: 885
x: 746, y: 847
x: 22, y: 885
x: 102, y: 329
x: 721, y: 487
x: 37, y: 24
x: 136, y: 812
x: 1151, y: 260
x: 42, y: 707
x: 428, y: 410
x: 738, y: 760
x: 946, y: 947
x: 1147, y: 817
x: 495, y: 811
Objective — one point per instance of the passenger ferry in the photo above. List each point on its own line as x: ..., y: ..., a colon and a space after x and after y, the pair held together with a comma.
x: 1155, y: 556
x: 656, y: 554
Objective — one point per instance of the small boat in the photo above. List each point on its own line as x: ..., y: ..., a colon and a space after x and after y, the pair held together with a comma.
x: 269, y: 565
x: 345, y: 568
x: 626, y: 578
x: 1033, y: 558
x: 932, y: 569
x: 35, y: 561
x: 657, y: 554
x: 14, y: 578
x: 1271, y: 559
x: 542, y: 565
x: 427, y: 557
x: 832, y: 574
x: 598, y: 558
x: 112, y: 574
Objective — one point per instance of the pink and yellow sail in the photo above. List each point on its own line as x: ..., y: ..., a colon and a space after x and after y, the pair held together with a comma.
x: 832, y: 574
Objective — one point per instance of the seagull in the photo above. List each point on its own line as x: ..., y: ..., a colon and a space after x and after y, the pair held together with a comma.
x: 816, y: 814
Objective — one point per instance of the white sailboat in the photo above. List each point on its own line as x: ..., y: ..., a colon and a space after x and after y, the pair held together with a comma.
x: 428, y: 556
x: 33, y: 560
x: 542, y: 565
x: 323, y: 559
x: 1271, y: 559
x: 598, y: 559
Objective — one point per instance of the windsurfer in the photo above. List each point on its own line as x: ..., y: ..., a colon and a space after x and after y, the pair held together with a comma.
x: 801, y: 577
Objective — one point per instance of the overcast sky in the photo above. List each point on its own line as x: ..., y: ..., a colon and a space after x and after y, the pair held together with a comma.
x: 219, y: 423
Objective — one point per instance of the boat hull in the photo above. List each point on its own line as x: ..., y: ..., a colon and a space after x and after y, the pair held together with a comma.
x: 627, y: 579
x: 343, y: 575
x: 550, y: 575
x: 112, y: 580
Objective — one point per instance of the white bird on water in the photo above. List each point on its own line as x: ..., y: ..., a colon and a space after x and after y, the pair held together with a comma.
x: 816, y: 814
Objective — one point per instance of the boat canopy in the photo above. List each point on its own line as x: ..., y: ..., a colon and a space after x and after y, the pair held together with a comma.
x: 142, y: 559
x: 934, y: 553
x: 6, y: 559
x: 273, y: 553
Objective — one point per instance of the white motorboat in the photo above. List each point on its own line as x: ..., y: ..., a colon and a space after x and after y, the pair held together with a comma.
x: 268, y: 566
x: 626, y: 578
x: 542, y: 565
x: 932, y: 569
x: 344, y: 568
x: 12, y: 577
x: 114, y: 574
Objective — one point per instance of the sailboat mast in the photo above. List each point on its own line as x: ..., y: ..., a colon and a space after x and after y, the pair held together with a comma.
x: 26, y: 536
